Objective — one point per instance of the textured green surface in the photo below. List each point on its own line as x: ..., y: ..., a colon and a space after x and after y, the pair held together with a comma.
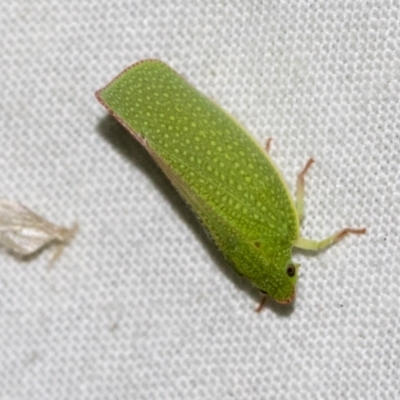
x: 226, y: 177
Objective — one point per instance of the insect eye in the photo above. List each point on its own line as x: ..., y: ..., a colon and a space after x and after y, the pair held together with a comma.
x: 291, y: 270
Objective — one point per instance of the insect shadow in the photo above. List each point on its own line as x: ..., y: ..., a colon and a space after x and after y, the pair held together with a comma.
x: 131, y: 149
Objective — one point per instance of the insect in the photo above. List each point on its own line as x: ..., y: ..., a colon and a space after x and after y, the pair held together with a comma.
x: 223, y: 174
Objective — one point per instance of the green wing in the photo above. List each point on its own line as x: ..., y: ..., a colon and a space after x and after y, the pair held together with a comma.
x: 217, y: 167
x: 206, y: 148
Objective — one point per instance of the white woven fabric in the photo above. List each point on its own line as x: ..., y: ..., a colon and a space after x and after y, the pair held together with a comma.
x: 141, y: 305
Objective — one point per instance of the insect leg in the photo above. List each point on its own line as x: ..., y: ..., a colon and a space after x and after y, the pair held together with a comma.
x: 315, y: 245
x: 268, y: 145
x: 300, y: 189
x: 261, y: 305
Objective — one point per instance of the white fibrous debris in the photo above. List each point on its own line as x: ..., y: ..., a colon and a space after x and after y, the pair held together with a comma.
x: 24, y: 233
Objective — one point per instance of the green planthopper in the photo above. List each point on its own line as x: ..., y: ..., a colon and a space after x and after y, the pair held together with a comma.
x: 228, y: 180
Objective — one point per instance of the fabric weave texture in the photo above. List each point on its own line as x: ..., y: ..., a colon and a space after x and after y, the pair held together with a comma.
x: 142, y: 305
